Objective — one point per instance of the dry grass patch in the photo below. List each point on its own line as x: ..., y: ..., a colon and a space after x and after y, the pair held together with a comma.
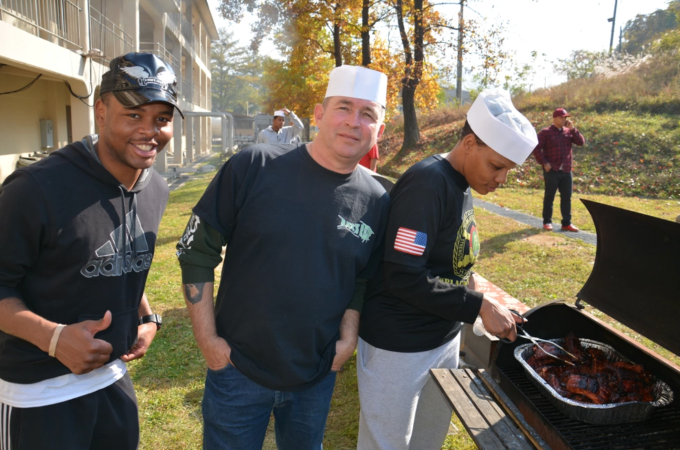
x: 546, y: 240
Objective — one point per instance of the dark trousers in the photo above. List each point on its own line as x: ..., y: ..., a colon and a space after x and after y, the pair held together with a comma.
x: 104, y: 420
x: 554, y: 181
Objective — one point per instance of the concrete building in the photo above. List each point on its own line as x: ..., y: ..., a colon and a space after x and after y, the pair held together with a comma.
x: 53, y: 50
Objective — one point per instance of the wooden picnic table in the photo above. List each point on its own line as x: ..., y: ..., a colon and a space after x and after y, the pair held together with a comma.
x: 487, y: 423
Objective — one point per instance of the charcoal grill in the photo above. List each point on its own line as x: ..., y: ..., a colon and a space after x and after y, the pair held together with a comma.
x: 635, y: 280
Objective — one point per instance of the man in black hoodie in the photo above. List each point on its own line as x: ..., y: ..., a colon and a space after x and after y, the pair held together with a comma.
x: 77, y: 233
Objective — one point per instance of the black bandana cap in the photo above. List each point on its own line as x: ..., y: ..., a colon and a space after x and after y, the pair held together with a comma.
x: 139, y: 78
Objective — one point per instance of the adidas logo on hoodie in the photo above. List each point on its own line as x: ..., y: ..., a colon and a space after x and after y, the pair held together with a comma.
x: 115, y: 259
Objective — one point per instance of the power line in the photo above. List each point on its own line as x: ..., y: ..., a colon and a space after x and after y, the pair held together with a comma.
x: 23, y: 88
x: 80, y: 97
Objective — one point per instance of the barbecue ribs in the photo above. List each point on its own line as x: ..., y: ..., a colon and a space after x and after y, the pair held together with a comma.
x: 593, y: 379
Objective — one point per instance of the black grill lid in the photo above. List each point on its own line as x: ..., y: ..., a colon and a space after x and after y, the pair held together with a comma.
x: 636, y: 277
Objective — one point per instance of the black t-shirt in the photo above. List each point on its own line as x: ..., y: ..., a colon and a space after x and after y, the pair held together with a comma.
x: 419, y: 295
x: 298, y: 236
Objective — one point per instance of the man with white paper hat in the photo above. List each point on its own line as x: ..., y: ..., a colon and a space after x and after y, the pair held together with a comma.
x: 277, y: 133
x: 304, y: 228
x: 424, y: 289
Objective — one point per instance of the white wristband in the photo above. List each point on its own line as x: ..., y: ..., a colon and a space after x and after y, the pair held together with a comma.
x: 55, y: 339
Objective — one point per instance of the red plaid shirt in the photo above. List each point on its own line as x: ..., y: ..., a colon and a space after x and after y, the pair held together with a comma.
x: 554, y: 147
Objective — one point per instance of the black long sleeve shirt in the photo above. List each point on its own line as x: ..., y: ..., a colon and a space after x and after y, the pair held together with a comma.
x: 419, y: 297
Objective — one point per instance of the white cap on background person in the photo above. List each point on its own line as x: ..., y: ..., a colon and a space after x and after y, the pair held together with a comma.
x: 496, y: 121
x: 279, y: 113
x: 358, y: 82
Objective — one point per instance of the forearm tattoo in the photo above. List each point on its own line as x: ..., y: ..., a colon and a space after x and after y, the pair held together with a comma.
x: 194, y: 292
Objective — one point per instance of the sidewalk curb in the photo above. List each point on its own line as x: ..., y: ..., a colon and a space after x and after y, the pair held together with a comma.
x: 535, y: 222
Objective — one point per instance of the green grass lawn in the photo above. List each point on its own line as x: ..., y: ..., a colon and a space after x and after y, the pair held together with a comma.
x: 533, y: 266
x: 530, y: 201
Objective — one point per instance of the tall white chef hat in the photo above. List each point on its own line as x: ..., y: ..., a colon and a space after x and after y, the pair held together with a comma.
x: 495, y: 121
x: 279, y: 113
x: 358, y: 82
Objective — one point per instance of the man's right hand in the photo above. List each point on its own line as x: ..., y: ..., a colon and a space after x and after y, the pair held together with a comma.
x: 547, y: 167
x: 498, y: 320
x: 217, y: 353
x: 77, y: 348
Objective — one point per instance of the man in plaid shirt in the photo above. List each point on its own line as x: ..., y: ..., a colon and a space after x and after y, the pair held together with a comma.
x: 553, y: 152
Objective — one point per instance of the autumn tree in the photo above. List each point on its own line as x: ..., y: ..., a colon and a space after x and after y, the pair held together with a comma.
x: 488, y: 46
x: 296, y: 22
x: 422, y: 29
x: 315, y: 35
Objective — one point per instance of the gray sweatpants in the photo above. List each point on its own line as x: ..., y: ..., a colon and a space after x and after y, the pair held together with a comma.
x: 401, y: 406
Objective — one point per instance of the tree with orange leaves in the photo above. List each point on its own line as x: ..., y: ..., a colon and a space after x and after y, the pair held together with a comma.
x: 315, y: 35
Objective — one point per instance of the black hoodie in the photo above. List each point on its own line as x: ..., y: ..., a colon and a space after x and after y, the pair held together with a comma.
x: 65, y: 252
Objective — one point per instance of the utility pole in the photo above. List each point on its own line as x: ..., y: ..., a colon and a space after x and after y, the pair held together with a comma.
x: 620, y: 39
x: 459, y: 70
x: 613, y: 21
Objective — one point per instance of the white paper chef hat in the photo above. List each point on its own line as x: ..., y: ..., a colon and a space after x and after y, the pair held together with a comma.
x: 495, y: 121
x: 279, y: 113
x: 358, y: 82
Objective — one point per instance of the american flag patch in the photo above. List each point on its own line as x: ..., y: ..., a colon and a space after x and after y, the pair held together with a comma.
x: 410, y: 241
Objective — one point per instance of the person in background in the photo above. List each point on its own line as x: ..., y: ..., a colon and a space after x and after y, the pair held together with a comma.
x: 277, y: 133
x: 303, y: 227
x: 554, y: 154
x: 77, y: 232
x: 370, y: 160
x: 422, y: 293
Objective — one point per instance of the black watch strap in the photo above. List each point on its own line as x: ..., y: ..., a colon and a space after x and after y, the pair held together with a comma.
x: 155, y: 318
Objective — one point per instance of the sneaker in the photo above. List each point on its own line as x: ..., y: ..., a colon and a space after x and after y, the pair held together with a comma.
x: 547, y: 226
x: 569, y: 227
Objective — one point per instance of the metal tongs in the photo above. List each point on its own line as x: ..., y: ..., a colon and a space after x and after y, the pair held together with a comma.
x: 536, y: 341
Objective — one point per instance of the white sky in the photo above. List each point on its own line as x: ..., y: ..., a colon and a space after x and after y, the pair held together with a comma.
x: 546, y: 26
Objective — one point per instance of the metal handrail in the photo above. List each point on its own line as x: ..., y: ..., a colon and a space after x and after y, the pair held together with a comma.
x: 58, y: 18
x: 108, y: 37
x: 180, y: 25
x: 197, y: 95
x: 171, y: 23
x: 159, y: 50
x: 179, y: 21
x: 187, y: 90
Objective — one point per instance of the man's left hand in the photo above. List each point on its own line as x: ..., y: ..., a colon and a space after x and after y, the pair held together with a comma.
x: 343, y: 351
x: 286, y: 111
x: 145, y: 334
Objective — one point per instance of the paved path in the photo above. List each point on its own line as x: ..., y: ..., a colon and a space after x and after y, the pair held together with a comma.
x: 532, y: 221
x: 177, y: 179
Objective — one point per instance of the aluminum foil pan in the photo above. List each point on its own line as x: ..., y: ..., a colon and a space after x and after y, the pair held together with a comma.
x: 608, y: 414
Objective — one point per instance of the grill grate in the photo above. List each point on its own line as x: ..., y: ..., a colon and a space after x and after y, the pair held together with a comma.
x: 660, y: 432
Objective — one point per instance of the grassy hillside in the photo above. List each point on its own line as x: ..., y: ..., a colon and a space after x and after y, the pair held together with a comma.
x: 632, y: 134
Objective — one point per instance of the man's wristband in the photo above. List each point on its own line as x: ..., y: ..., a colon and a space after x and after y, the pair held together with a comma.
x: 55, y: 338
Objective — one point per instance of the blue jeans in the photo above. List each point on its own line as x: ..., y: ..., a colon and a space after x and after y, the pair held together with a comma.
x: 236, y: 413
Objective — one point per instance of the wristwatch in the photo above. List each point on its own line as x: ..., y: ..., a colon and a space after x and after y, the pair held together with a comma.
x: 155, y: 318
